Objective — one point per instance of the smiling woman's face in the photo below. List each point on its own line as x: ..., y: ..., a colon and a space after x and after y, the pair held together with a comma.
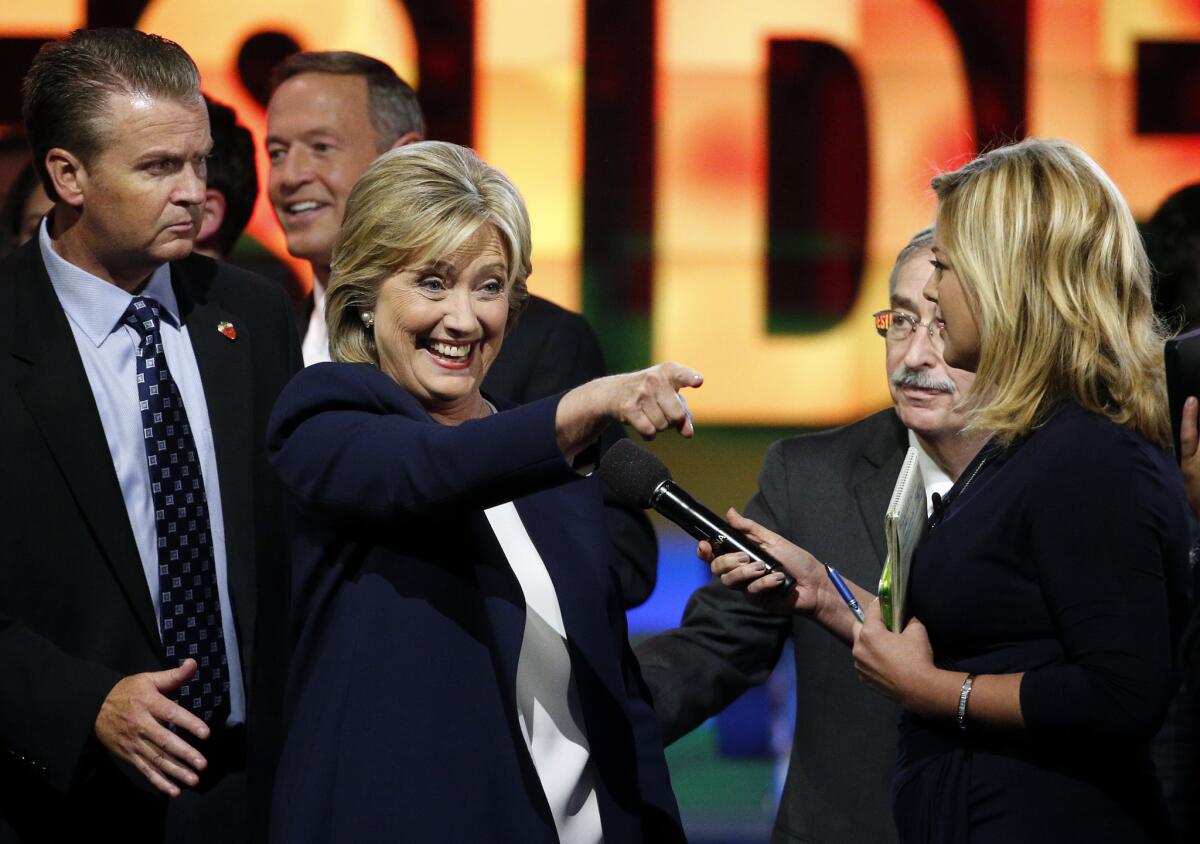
x: 439, y: 326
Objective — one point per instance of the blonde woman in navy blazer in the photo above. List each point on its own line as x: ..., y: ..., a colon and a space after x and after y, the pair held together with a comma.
x: 461, y: 671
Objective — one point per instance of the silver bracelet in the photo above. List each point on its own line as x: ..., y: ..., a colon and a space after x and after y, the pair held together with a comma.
x: 963, y: 695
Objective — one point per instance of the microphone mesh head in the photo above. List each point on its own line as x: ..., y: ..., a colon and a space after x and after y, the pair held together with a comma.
x: 632, y: 473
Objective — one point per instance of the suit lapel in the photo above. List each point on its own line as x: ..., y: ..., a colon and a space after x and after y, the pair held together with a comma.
x: 303, y: 312
x: 224, y: 366
x: 880, y: 468
x: 58, y: 396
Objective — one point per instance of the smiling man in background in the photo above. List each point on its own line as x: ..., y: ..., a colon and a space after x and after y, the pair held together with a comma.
x: 330, y: 115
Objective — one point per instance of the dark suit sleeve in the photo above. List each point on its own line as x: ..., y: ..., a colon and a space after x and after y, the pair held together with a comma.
x: 48, y: 704
x: 725, y: 644
x: 350, y: 446
x: 1101, y: 538
x: 568, y: 355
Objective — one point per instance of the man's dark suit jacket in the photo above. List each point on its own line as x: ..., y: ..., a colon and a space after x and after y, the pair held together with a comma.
x: 549, y: 351
x: 401, y: 706
x: 75, y: 611
x: 826, y: 492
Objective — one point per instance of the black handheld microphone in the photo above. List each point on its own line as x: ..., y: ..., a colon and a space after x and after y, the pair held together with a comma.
x: 640, y: 479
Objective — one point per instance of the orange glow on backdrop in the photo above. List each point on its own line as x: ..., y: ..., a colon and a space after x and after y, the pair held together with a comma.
x: 709, y: 290
x: 1082, y: 88
x: 529, y: 123
x: 710, y: 276
x: 45, y: 18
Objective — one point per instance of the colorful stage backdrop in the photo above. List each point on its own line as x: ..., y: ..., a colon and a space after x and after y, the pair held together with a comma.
x: 722, y: 183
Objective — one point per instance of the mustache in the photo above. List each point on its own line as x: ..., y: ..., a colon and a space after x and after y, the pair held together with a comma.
x: 922, y: 380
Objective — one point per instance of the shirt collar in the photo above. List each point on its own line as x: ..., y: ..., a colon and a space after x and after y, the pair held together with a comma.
x: 936, y: 479
x: 92, y: 303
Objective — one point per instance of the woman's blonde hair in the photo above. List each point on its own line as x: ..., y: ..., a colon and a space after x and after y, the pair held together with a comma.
x: 1054, y: 269
x: 415, y: 204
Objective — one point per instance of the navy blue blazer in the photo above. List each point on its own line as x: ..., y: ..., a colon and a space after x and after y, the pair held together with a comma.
x: 401, y: 712
x: 1062, y: 556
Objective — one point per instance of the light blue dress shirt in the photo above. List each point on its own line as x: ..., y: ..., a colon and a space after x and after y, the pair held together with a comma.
x: 94, y: 309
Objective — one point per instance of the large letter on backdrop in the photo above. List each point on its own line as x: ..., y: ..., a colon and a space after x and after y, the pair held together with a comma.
x: 709, y: 307
x: 529, y: 123
x: 1083, y: 88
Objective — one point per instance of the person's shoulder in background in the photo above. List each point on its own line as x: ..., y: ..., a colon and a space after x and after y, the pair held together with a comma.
x: 835, y: 451
x: 550, y: 349
x: 242, y: 291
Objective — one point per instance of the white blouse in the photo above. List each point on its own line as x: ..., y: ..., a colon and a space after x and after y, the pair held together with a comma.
x: 548, y: 707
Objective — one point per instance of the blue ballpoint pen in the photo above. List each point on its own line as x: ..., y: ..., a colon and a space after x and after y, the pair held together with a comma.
x: 844, y: 591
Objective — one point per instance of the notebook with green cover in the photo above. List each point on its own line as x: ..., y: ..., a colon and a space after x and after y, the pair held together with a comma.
x: 902, y: 526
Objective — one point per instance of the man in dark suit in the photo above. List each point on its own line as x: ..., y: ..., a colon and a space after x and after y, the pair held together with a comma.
x: 140, y: 597
x: 826, y: 492
x: 330, y: 115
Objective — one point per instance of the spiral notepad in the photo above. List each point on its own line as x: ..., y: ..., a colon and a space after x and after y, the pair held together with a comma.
x: 902, y: 526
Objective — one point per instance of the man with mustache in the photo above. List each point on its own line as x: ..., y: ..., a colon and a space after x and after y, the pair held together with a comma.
x: 828, y: 492
x: 138, y: 513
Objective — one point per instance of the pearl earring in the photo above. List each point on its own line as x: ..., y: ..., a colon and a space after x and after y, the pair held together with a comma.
x: 368, y: 318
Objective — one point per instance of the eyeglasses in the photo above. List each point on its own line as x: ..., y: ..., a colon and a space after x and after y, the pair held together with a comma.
x: 899, y: 327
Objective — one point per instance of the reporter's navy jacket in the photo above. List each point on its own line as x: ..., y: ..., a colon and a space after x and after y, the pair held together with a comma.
x: 401, y: 714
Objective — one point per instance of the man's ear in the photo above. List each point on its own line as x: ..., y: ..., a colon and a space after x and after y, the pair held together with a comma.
x: 69, y: 175
x: 214, y: 215
x: 407, y: 138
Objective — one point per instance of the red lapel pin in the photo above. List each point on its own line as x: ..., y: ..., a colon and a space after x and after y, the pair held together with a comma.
x: 227, y: 329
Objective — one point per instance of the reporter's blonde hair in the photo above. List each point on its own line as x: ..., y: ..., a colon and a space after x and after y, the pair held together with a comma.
x: 415, y: 204
x: 1054, y: 269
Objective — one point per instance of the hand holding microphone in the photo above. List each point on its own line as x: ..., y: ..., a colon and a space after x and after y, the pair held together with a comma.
x: 748, y: 557
x: 642, y: 480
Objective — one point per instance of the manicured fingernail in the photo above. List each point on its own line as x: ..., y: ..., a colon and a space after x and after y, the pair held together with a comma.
x: 760, y: 566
